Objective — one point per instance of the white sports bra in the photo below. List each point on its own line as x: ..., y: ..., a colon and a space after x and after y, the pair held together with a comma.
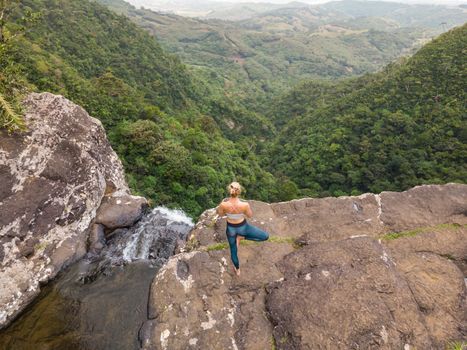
x: 233, y: 216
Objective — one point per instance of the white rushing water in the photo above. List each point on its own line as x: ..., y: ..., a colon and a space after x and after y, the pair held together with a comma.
x: 156, y: 233
x: 153, y: 239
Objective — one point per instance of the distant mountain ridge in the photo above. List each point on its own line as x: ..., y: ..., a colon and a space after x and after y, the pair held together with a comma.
x: 247, y: 10
x: 284, y: 44
x: 208, y: 9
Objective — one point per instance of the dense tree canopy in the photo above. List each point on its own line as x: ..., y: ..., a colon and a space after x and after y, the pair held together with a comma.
x: 181, y: 139
x: 160, y: 120
x: 261, y: 49
x: 387, y: 131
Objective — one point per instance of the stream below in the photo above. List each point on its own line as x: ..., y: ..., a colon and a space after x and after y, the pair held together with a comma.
x: 100, y: 302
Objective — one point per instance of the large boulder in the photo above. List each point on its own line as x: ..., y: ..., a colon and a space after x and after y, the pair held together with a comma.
x: 367, y: 272
x: 434, y: 264
x: 425, y: 205
x: 351, y: 295
x: 53, y: 179
x: 196, y: 303
x: 445, y: 240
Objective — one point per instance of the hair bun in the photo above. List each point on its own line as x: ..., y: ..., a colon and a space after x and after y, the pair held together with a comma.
x: 234, y: 189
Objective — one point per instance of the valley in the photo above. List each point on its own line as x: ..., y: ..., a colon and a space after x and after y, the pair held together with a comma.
x: 120, y: 128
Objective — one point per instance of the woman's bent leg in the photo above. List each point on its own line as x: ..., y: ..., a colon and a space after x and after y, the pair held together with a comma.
x: 254, y: 233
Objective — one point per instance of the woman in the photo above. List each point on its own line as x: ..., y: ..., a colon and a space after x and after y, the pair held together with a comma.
x: 237, y: 226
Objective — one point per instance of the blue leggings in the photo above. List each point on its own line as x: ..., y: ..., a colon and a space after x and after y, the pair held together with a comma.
x: 246, y: 230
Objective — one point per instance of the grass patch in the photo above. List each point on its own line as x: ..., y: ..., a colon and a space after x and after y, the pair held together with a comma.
x: 244, y: 242
x: 277, y: 239
x: 217, y: 246
x: 273, y: 343
x: 414, y: 232
x: 192, y: 244
x: 457, y: 345
x: 40, y: 246
x: 211, y: 223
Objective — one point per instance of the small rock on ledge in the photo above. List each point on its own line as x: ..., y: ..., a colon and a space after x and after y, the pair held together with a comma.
x: 120, y: 211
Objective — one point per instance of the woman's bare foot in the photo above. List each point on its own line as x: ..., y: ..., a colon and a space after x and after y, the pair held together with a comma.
x: 237, y: 271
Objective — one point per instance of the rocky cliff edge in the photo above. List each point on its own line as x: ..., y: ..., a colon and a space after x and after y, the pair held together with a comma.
x: 54, y: 180
x: 369, y: 272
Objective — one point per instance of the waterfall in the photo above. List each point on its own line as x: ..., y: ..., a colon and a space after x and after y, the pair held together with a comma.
x: 101, y: 301
x: 153, y: 240
x: 162, y: 225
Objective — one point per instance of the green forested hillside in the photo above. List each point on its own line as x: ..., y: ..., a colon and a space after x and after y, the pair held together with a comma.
x: 255, y: 58
x: 160, y: 120
x: 401, y: 127
x: 183, y: 132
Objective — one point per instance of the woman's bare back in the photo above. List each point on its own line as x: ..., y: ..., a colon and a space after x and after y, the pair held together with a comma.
x: 235, y: 206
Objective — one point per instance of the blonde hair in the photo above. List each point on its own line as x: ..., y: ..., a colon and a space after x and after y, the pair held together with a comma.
x: 234, y: 189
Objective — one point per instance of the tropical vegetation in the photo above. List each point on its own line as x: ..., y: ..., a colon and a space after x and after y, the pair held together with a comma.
x: 398, y: 128
x: 183, y: 134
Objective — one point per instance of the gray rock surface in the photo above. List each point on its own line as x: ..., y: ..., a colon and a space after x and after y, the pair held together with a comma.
x: 424, y: 206
x: 351, y: 294
x: 196, y: 303
x: 331, y: 219
x: 328, y: 278
x: 448, y: 241
x: 53, y: 178
x: 120, y: 211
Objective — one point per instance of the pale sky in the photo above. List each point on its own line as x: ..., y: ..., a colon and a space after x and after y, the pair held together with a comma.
x: 321, y: 1
x: 441, y: 2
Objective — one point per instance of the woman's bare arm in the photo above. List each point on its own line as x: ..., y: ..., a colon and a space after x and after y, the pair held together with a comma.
x: 248, y: 211
x: 220, y: 210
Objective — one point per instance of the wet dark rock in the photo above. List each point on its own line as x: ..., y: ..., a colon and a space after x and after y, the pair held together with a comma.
x: 115, y: 234
x: 96, y: 238
x: 105, y: 313
x: 161, y: 249
x: 101, y: 300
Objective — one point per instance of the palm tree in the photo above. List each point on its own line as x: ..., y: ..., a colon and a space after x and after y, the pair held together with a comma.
x: 9, y: 119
